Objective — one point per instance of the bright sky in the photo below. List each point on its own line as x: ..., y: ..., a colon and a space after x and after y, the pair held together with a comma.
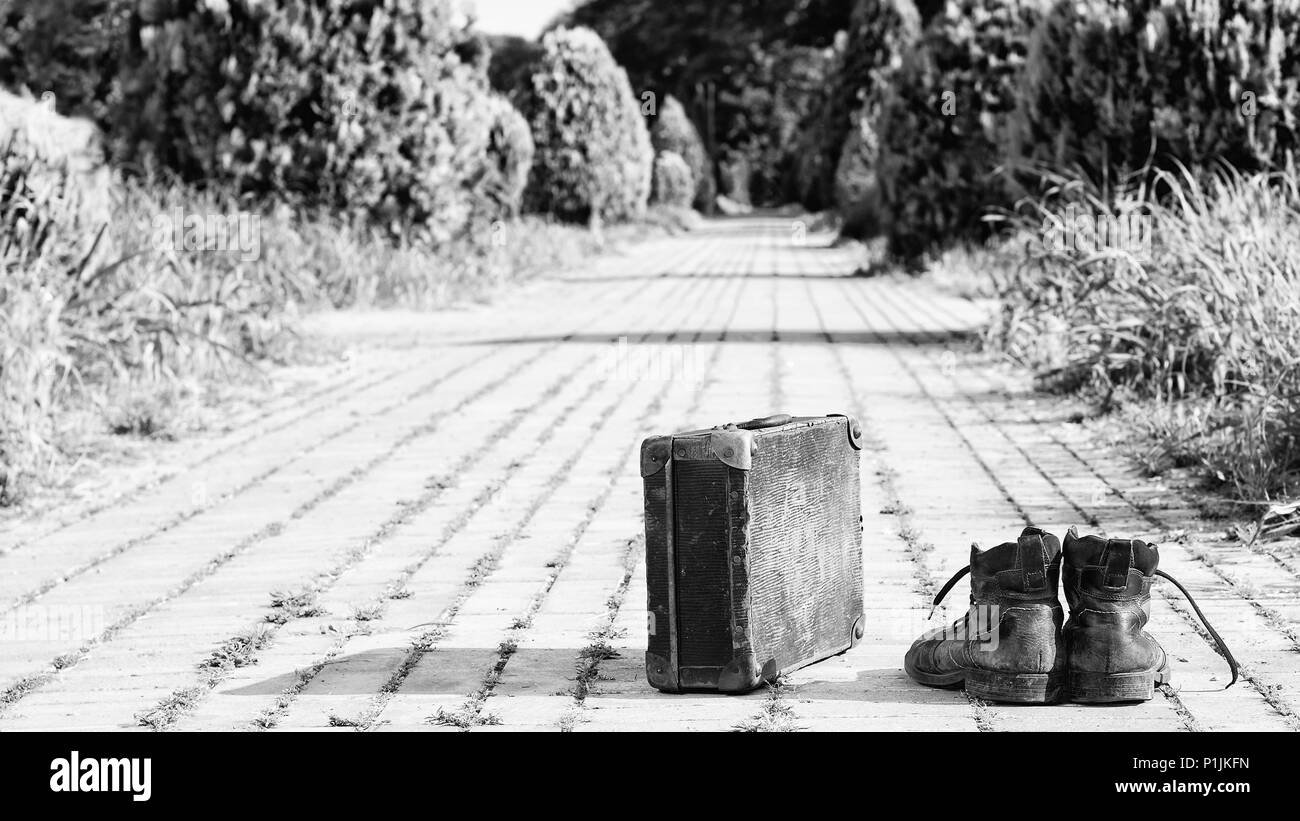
x: 522, y: 17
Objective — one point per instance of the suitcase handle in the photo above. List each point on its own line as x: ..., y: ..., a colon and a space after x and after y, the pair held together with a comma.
x: 776, y: 420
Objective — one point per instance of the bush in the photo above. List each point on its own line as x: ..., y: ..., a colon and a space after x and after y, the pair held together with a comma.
x: 593, y: 150
x: 1112, y: 85
x: 67, y: 48
x: 880, y: 33
x: 673, y: 185
x: 1195, y: 309
x: 674, y: 132
x: 61, y: 159
x: 857, y: 191
x: 943, y: 124
x: 364, y: 107
x: 510, y: 157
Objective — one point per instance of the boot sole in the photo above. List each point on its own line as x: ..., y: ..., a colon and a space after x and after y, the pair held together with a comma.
x: 1016, y: 688
x: 1109, y: 688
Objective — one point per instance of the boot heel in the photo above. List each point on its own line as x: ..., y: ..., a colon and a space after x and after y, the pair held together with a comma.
x: 1102, y: 688
x: 1019, y: 688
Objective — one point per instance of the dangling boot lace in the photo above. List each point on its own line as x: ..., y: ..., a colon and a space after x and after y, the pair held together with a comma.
x: 1218, y: 640
x: 943, y: 591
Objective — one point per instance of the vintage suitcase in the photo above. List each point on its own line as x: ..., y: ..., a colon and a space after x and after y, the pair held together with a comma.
x: 753, y: 550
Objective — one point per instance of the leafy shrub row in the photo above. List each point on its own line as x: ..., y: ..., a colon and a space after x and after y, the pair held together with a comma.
x: 365, y: 107
x: 1112, y: 85
x: 377, y: 110
x: 1103, y: 86
x: 945, y: 119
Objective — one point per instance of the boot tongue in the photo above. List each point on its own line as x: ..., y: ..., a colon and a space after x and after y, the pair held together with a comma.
x: 1116, y: 555
x: 1018, y: 565
x: 1146, y: 557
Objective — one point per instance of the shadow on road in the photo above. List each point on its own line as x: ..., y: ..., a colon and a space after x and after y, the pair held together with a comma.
x: 805, y: 337
x: 595, y: 278
x: 461, y: 670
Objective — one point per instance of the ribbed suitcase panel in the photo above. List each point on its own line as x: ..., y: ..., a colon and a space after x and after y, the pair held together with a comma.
x: 703, y: 579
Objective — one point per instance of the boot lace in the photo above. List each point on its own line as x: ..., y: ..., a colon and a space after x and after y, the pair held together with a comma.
x: 1218, y: 640
x: 943, y: 591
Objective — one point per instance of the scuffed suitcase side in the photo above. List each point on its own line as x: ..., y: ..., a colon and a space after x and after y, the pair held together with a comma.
x: 805, y: 545
x: 661, y: 662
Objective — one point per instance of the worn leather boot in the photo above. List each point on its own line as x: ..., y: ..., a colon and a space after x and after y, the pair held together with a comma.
x: 1008, y: 645
x: 1108, y: 586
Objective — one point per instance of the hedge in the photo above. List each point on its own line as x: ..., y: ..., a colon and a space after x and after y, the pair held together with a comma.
x: 944, y: 122
x: 1111, y: 86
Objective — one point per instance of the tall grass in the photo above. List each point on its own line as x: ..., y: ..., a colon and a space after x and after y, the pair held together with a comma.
x: 93, y: 310
x: 1203, y: 321
x: 349, y: 266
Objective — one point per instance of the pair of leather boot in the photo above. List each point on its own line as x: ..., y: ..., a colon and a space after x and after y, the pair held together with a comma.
x: 1014, y: 643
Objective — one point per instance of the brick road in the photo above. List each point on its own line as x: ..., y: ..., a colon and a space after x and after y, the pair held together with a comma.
x: 444, y: 533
